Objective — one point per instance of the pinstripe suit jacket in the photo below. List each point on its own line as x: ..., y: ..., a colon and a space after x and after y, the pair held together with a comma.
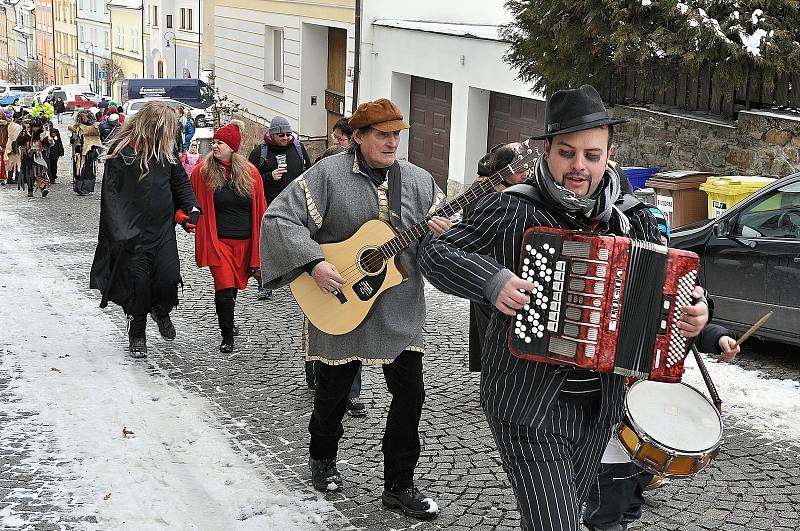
x: 473, y: 260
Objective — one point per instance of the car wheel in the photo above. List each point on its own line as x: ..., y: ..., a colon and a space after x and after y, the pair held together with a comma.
x: 200, y: 121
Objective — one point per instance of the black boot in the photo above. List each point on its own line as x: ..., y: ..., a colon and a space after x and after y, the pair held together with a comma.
x: 137, y: 346
x: 165, y: 326
x: 225, y: 305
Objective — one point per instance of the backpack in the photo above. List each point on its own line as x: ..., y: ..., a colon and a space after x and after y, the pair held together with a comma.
x: 265, y: 151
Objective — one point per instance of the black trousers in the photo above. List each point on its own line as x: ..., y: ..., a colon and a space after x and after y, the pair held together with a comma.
x: 401, y: 445
x: 616, y: 497
x: 154, y: 276
x: 551, y: 467
x: 52, y: 168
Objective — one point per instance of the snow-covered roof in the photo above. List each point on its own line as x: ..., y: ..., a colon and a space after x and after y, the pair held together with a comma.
x: 470, y: 31
x: 130, y: 4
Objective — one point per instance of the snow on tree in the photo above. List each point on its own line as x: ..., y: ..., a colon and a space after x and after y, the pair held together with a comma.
x: 563, y: 43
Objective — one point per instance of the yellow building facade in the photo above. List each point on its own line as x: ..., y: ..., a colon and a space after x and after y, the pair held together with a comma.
x: 127, y: 44
x: 65, y: 37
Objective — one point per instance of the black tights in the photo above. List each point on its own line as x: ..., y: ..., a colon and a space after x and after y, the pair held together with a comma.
x: 225, y: 301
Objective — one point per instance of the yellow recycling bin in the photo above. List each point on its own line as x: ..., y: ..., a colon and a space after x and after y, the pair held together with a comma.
x: 724, y: 192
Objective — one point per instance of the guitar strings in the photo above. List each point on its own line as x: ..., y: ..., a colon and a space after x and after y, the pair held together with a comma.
x: 354, y: 271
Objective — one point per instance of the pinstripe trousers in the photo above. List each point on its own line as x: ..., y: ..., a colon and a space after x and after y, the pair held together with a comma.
x: 552, y: 467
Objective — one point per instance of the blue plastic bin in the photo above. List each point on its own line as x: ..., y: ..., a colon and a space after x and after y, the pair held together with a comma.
x: 637, y: 175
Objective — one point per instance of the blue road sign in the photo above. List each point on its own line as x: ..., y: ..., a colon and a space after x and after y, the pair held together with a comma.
x: 101, y: 74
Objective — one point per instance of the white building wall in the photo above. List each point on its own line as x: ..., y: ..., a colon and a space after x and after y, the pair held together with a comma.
x: 239, y: 66
x: 94, y: 41
x: 474, y: 67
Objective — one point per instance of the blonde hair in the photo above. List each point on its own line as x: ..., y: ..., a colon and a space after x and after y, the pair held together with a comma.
x: 214, y: 174
x: 151, y: 132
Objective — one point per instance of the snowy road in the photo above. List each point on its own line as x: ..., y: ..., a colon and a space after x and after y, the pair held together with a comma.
x: 220, y: 442
x: 68, y: 395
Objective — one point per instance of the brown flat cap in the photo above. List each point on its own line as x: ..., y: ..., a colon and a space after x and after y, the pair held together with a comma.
x: 381, y: 114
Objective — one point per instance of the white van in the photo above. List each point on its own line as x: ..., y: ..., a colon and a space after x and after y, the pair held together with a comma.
x: 76, y: 88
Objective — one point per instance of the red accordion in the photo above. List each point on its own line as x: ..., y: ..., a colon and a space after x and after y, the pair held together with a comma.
x: 605, y: 303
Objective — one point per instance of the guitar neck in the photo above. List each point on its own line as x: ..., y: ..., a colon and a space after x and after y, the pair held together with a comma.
x: 420, y: 229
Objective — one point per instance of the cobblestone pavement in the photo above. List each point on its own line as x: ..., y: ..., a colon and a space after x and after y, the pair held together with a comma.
x: 259, y: 395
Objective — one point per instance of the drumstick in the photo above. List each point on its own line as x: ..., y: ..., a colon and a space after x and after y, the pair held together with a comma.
x: 712, y: 390
x: 752, y: 329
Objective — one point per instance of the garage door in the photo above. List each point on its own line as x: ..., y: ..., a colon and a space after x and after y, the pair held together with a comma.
x: 512, y: 119
x: 429, y: 138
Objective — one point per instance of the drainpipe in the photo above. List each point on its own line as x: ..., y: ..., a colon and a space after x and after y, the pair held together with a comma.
x: 357, y: 60
x: 142, y: 49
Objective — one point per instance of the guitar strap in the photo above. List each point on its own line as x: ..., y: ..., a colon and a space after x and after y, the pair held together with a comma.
x: 395, y: 195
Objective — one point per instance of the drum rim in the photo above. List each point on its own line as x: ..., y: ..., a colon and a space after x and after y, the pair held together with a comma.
x: 642, y: 434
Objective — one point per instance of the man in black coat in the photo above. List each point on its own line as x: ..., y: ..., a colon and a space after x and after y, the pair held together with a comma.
x: 551, y: 423
x: 136, y: 261
x: 280, y: 158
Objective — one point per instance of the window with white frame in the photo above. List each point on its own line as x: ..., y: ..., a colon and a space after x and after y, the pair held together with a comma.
x: 155, y: 16
x: 186, y: 19
x: 134, y: 40
x: 107, y: 40
x: 83, y: 68
x: 169, y: 21
x: 83, y: 35
x: 273, y: 55
x: 120, y: 38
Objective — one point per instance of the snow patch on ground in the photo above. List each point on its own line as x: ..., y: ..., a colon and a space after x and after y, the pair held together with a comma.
x: 769, y: 405
x: 175, y: 471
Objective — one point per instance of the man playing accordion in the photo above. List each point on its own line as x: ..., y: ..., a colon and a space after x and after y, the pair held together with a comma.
x: 551, y: 423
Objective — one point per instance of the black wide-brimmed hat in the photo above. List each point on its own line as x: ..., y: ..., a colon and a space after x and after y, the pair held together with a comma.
x: 574, y: 110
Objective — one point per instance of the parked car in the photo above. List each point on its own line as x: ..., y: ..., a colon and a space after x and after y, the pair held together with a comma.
x: 15, y: 93
x: 751, y: 260
x: 131, y: 107
x: 79, y: 101
x: 70, y: 90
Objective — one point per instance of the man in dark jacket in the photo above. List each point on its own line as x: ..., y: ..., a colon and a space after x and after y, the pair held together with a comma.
x: 280, y: 158
x: 551, y: 423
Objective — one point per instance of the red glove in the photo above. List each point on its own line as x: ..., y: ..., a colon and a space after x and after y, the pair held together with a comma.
x: 183, y: 219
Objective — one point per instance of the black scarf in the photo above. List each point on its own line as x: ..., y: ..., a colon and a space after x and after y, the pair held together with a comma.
x: 378, y: 176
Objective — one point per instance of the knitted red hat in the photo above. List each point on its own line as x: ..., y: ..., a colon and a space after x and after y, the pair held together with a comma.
x: 229, y: 134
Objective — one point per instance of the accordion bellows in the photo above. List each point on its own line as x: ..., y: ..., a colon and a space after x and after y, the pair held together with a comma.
x: 605, y: 303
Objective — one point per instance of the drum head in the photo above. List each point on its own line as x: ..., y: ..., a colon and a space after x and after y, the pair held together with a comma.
x: 674, y: 415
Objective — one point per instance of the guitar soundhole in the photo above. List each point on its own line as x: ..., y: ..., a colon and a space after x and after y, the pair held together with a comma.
x: 371, y: 261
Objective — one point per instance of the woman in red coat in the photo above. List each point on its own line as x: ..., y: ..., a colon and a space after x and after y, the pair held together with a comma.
x: 231, y: 196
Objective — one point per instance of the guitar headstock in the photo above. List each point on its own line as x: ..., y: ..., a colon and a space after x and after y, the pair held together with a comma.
x: 524, y: 161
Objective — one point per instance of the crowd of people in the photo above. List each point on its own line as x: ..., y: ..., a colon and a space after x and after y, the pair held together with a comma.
x: 263, y: 213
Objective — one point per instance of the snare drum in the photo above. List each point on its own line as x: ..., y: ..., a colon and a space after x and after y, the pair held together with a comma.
x: 670, y: 429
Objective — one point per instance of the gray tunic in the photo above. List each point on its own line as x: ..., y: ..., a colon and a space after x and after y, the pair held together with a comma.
x: 328, y: 204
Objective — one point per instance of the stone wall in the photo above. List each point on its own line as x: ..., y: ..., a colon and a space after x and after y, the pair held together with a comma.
x: 253, y: 133
x: 759, y: 143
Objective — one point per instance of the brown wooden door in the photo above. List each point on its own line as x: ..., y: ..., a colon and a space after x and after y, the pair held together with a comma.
x: 337, y: 67
x: 429, y: 138
x: 513, y: 119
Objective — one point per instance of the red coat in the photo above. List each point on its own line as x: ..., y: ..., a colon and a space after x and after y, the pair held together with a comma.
x: 206, y: 241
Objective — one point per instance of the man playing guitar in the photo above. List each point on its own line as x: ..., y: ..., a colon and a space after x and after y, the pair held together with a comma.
x: 327, y: 204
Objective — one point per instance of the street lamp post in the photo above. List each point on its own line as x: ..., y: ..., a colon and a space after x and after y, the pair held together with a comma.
x: 91, y: 68
x: 174, y: 52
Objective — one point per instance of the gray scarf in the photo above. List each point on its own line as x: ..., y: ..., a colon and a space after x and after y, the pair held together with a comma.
x: 598, y: 207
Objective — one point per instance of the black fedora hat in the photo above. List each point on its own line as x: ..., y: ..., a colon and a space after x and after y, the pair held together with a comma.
x: 574, y: 110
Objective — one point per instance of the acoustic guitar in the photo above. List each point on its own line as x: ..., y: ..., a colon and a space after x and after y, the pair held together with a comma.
x: 368, y: 261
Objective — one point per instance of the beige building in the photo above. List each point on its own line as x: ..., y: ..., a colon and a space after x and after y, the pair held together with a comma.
x: 260, y: 48
x: 127, y: 49
x: 7, y: 49
x: 66, y: 41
